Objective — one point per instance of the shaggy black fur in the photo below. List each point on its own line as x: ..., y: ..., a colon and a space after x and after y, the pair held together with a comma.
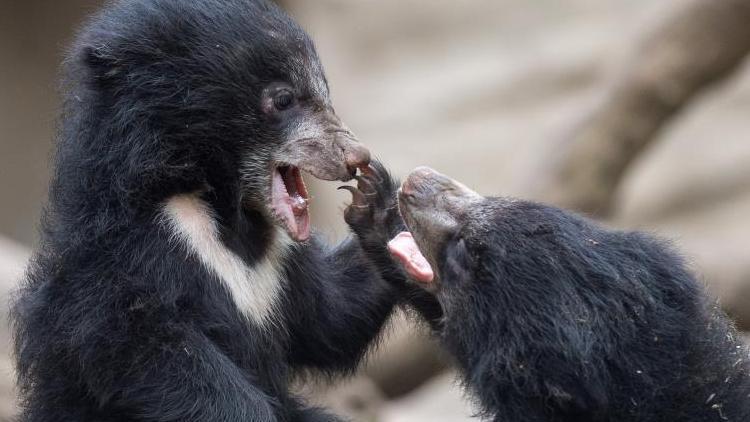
x: 118, y: 320
x: 551, y: 317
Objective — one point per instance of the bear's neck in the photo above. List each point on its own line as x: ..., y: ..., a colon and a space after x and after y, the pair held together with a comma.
x: 246, y: 254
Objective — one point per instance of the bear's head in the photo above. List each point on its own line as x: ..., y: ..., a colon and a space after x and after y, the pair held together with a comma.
x: 225, y: 97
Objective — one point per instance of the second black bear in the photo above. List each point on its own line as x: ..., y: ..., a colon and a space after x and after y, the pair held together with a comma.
x: 551, y: 317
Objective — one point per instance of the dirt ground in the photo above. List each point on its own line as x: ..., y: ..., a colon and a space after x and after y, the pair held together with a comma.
x: 483, y: 90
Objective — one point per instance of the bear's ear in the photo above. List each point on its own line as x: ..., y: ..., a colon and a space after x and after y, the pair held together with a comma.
x: 457, y: 265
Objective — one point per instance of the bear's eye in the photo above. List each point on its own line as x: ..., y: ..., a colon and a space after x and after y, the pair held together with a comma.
x: 283, y: 99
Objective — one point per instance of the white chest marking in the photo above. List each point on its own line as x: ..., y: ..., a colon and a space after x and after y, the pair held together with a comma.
x: 256, y: 290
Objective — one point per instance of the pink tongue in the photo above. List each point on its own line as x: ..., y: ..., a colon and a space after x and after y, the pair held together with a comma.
x: 403, y: 248
x: 292, y: 210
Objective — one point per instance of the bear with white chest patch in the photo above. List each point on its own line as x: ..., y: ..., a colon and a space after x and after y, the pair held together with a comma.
x: 177, y: 278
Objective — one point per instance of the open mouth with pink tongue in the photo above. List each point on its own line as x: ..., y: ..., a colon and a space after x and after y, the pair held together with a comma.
x: 289, y: 201
x: 405, y: 250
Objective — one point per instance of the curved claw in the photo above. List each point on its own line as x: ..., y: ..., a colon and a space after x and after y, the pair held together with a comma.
x: 358, y: 198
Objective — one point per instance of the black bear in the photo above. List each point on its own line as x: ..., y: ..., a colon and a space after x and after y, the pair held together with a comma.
x: 176, y: 278
x: 551, y: 317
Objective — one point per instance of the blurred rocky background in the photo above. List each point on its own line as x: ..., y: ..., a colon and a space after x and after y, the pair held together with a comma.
x: 633, y: 111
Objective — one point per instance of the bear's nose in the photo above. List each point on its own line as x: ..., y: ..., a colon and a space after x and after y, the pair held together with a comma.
x: 423, y: 180
x: 356, y: 155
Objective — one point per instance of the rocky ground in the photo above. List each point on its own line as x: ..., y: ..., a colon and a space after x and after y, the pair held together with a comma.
x: 481, y: 90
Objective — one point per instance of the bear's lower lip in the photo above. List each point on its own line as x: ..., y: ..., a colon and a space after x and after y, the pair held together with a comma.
x: 289, y: 201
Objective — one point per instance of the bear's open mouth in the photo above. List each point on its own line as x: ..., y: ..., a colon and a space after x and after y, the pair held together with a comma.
x: 289, y: 201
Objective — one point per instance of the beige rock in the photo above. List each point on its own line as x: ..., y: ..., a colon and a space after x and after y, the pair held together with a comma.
x: 407, y: 358
x: 441, y: 399
x: 12, y: 262
x: 358, y: 398
x: 703, y: 158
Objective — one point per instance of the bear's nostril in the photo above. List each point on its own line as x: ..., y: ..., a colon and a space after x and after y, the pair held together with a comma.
x: 351, y: 169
